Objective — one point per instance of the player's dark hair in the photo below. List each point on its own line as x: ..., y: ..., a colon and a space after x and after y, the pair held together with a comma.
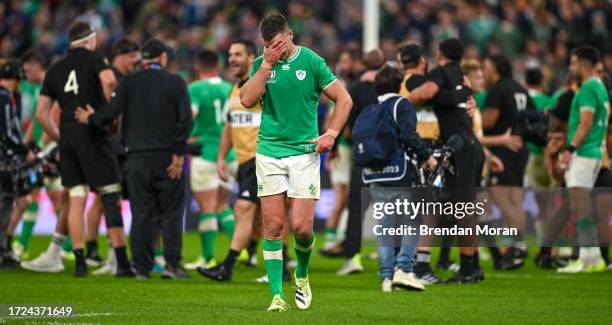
x: 388, y: 80
x: 272, y: 25
x: 33, y: 56
x: 410, y: 54
x: 502, y: 65
x: 452, y: 49
x: 534, y: 77
x: 250, y: 46
x: 124, y: 46
x: 208, y: 59
x: 587, y: 53
x: 79, y: 30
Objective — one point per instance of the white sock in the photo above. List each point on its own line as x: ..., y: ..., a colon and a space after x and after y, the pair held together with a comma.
x: 55, y: 246
x: 594, y: 254
x: 584, y: 254
x: 112, y: 258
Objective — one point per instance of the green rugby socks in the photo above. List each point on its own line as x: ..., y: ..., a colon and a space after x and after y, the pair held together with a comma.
x: 29, y: 220
x: 226, y: 218
x: 208, y: 234
x: 303, y: 250
x: 273, y: 260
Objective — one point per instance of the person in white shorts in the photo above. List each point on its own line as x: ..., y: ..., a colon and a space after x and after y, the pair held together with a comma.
x: 587, y: 129
x: 208, y: 97
x: 288, y: 80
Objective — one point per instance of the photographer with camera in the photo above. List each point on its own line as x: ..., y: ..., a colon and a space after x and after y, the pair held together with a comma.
x: 394, y: 120
x: 27, y: 207
x: 12, y: 148
x: 451, y: 100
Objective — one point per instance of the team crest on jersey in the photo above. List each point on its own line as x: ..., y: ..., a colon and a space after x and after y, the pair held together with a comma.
x: 300, y: 74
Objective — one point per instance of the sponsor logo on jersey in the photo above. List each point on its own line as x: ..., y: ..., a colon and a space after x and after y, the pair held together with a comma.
x: 285, y: 67
x: 242, y: 119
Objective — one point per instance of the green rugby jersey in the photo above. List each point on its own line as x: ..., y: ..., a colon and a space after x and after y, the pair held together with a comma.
x: 591, y: 96
x: 480, y: 98
x: 542, y: 103
x: 29, y: 97
x: 208, y: 99
x: 289, y: 117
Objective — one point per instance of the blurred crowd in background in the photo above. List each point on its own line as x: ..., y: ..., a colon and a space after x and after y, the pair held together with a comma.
x: 535, y: 33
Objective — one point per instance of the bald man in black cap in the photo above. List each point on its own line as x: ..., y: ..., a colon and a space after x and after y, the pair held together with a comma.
x: 156, y: 124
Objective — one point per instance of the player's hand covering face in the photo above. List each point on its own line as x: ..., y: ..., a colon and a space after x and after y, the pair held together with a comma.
x: 275, y: 49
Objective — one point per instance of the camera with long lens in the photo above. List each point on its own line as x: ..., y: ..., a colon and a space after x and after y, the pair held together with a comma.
x: 49, y: 160
x: 26, y: 177
x: 435, y: 181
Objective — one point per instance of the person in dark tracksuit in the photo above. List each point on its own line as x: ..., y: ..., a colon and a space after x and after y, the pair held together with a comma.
x: 157, y: 121
x: 11, y: 145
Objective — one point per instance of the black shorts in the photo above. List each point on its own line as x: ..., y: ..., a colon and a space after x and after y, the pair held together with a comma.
x: 468, y: 164
x: 247, y: 181
x: 87, y: 159
x: 604, y: 179
x: 514, y: 167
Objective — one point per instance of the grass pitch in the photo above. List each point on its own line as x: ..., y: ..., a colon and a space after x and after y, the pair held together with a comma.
x: 528, y: 295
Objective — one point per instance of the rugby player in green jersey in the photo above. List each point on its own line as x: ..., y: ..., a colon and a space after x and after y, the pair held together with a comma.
x: 288, y: 80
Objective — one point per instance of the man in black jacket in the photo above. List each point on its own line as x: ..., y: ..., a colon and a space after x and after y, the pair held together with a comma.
x: 157, y: 121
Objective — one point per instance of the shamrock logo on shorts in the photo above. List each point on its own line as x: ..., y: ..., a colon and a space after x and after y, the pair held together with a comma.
x: 313, y: 189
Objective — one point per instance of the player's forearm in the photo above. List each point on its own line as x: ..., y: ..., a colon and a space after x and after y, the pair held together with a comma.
x: 491, y: 140
x: 340, y: 115
x: 423, y: 93
x: 105, y: 115
x: 108, y: 91
x: 109, y: 83
x: 487, y: 153
x: 252, y: 90
x: 226, y: 142
x: 50, y: 128
x: 28, y: 136
x: 581, y: 132
x: 43, y: 115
